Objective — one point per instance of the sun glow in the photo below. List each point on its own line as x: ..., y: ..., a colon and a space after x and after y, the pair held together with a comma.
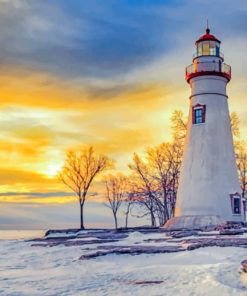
x: 53, y: 170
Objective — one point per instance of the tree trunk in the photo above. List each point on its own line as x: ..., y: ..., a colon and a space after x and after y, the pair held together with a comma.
x: 126, y: 220
x: 127, y: 216
x: 81, y: 215
x: 173, y: 204
x: 161, y: 218
x: 115, y: 219
x: 153, y: 222
x: 166, y: 212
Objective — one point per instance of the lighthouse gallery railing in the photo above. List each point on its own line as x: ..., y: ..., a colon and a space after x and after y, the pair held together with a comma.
x: 212, y: 68
x: 213, y: 54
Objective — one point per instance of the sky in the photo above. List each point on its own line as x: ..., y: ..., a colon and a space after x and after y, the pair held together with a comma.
x: 103, y: 73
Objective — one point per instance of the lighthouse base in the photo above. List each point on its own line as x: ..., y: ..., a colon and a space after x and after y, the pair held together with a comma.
x: 204, y: 222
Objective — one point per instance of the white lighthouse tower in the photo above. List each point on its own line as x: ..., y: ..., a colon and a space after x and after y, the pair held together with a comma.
x: 209, y: 190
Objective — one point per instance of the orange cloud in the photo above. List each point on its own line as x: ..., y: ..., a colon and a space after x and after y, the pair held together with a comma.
x: 13, y: 177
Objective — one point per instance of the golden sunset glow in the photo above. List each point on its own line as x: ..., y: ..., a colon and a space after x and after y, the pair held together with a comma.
x: 40, y: 123
x: 45, y: 123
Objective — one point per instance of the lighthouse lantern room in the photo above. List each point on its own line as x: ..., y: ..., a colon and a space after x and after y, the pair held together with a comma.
x: 209, y: 190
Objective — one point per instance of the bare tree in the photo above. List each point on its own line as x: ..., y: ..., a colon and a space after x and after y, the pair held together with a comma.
x: 143, y: 187
x: 115, y: 193
x: 240, y: 153
x: 155, y: 177
x: 79, y: 171
x: 165, y: 163
x: 241, y: 160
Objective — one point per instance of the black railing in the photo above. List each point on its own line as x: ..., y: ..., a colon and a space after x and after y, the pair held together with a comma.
x: 217, y: 68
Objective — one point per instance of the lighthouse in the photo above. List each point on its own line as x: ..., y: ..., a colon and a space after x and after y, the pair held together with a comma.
x: 209, y: 190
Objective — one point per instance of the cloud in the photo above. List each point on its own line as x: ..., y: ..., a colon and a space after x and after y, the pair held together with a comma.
x: 30, y: 130
x: 95, y: 40
x: 107, y: 39
x: 13, y: 177
x: 37, y: 194
x: 51, y: 197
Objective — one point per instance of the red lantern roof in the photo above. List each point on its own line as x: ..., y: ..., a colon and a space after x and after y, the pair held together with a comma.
x: 207, y: 36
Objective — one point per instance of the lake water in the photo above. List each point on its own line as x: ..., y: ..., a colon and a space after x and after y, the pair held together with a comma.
x: 20, y: 234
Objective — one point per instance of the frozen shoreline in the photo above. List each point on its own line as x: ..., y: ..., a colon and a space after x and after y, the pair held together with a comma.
x: 57, y: 270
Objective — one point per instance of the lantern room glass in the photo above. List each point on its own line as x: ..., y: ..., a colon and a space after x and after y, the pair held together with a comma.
x: 208, y: 48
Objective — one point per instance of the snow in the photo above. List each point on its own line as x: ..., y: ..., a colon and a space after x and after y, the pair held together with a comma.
x: 36, y: 270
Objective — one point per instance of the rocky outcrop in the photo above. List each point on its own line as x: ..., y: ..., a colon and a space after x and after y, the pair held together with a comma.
x: 133, y: 250
x: 142, y: 241
x: 231, y: 232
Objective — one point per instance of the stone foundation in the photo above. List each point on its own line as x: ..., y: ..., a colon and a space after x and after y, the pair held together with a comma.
x: 205, y: 222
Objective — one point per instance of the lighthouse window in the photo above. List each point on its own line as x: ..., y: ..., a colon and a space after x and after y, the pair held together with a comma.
x: 198, y: 114
x: 206, y: 48
x: 236, y: 204
x: 199, y: 49
x: 212, y: 48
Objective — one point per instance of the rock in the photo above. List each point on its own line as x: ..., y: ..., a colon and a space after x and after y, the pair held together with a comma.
x: 231, y: 231
x: 78, y: 231
x: 244, y: 265
x: 157, y: 240
x: 180, y: 234
x: 69, y: 243
x: 147, y: 282
x: 133, y: 250
x: 215, y: 242
x: 195, y: 246
x: 62, y: 231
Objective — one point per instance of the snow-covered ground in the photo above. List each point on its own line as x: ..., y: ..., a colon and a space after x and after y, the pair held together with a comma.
x: 57, y: 270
